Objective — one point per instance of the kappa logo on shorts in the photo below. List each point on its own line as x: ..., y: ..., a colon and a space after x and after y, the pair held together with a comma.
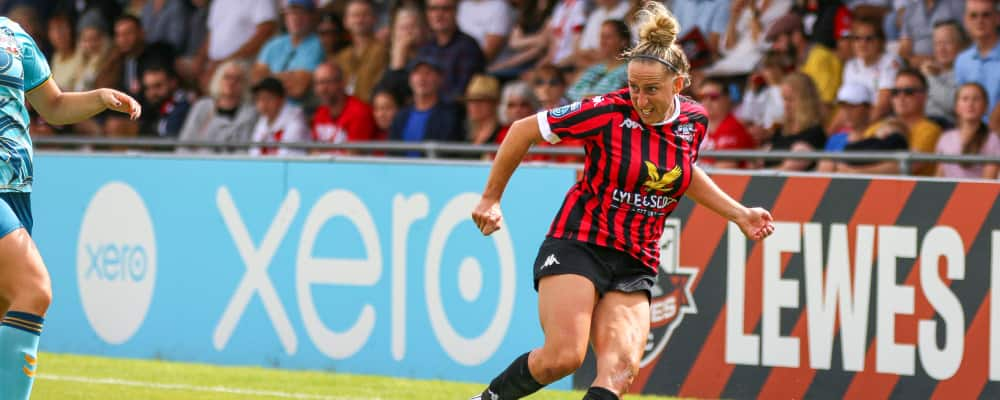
x: 671, y: 297
x: 550, y: 261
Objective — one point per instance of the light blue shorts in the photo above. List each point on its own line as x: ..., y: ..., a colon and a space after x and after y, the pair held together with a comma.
x: 15, y: 212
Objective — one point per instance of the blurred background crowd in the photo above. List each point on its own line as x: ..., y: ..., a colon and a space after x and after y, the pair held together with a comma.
x: 793, y: 75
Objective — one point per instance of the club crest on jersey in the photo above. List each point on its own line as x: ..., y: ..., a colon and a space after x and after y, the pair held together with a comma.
x: 671, y: 296
x: 561, y: 111
x: 9, y: 43
x: 660, y: 180
x: 597, y: 99
x: 685, y: 131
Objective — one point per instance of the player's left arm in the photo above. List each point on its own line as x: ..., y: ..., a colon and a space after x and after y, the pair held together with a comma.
x: 756, y: 223
x: 62, y: 108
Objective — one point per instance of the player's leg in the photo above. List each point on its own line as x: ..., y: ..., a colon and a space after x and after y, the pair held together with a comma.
x: 565, y: 306
x: 620, y: 329
x: 25, y: 287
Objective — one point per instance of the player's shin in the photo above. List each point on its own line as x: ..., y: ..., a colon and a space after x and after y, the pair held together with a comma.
x: 19, y: 334
x: 514, y: 382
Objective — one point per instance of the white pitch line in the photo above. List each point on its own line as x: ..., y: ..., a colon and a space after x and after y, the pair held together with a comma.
x: 192, y: 388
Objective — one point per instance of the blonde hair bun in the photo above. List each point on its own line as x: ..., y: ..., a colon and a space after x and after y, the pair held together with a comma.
x: 657, y: 25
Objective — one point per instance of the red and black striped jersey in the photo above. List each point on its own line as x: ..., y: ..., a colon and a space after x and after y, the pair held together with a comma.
x: 634, y: 174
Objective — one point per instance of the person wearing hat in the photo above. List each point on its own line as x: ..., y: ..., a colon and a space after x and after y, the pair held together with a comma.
x: 429, y: 117
x: 293, y: 56
x: 854, y: 101
x: 481, y: 99
x: 279, y: 121
x: 340, y: 117
x: 788, y: 35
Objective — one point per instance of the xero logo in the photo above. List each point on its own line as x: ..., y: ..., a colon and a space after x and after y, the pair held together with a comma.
x: 116, y: 262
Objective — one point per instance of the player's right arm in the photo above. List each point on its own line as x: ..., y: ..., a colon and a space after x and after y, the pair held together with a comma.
x: 62, y: 108
x: 521, y: 136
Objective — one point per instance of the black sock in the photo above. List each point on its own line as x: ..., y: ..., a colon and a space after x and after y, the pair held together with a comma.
x: 599, y: 393
x: 514, y: 382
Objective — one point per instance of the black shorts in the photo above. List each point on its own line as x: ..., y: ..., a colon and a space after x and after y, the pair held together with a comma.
x: 607, y: 268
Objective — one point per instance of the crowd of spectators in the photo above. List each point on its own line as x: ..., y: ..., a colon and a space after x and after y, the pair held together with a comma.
x: 792, y: 75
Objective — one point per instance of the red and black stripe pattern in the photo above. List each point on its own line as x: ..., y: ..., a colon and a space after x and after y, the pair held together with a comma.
x: 634, y: 174
x: 693, y: 363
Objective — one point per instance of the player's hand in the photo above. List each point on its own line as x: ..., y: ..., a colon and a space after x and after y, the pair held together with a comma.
x: 756, y: 223
x: 487, y: 216
x: 121, y: 102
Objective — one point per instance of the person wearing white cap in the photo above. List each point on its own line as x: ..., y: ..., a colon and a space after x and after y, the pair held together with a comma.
x: 854, y: 101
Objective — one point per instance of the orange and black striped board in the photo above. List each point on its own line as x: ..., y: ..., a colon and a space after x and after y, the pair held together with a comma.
x: 869, y: 289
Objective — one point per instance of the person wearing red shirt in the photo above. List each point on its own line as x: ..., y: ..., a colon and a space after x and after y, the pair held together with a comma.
x: 339, y: 118
x: 596, y: 268
x: 725, y: 132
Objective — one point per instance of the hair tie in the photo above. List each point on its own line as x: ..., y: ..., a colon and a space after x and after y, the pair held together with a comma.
x: 658, y: 59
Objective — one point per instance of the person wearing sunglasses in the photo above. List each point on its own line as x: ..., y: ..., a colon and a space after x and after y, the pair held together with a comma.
x: 725, y: 131
x: 909, y: 99
x: 550, y: 86
x: 871, y: 65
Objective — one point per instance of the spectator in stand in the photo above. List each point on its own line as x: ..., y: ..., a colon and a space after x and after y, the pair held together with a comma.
x: 589, y: 50
x: 237, y: 30
x: 610, y: 74
x: 332, y: 34
x: 93, y: 48
x: 743, y: 44
x: 194, y: 39
x: 970, y: 137
x: 949, y: 39
x: 980, y: 63
x: 66, y: 61
x: 457, y: 53
x: 226, y: 115
x: 563, y: 32
x: 704, y: 18
x: 762, y: 109
x: 279, y: 121
x: 909, y: 97
x: 550, y: 87
x: 516, y: 101
x: 788, y: 36
x: 481, y: 99
x: 487, y: 21
x: 166, y: 21
x: 409, y: 34
x: 385, y: 105
x: 292, y: 57
x: 166, y: 104
x: 802, y: 128
x: 918, y: 19
x: 725, y: 132
x: 429, y: 118
x: 855, y: 103
x: 363, y: 62
x: 872, y: 66
x: 340, y: 117
x: 528, y: 40
x: 121, y: 70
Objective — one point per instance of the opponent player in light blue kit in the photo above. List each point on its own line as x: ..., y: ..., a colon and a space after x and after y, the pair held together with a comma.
x: 25, y: 290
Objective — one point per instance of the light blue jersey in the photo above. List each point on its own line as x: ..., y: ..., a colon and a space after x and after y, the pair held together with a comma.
x: 22, y: 68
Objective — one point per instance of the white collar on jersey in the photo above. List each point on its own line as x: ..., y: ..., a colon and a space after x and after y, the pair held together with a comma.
x: 677, y: 112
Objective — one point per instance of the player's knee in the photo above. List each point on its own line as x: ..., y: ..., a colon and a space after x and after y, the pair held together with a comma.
x: 564, y: 362
x: 31, y: 295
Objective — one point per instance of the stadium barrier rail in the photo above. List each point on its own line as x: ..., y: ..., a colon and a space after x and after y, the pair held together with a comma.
x: 437, y: 150
x: 870, y: 287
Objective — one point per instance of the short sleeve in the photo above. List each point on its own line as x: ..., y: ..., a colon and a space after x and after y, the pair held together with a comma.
x: 265, y: 52
x: 576, y: 120
x: 36, y: 67
x: 264, y: 11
